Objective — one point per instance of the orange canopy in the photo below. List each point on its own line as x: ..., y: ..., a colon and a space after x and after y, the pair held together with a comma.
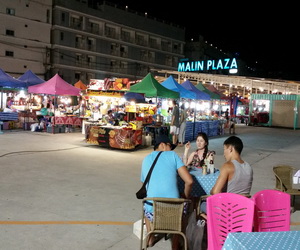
x: 80, y: 85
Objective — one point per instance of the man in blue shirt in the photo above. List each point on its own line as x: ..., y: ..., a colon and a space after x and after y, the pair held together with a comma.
x: 163, y: 181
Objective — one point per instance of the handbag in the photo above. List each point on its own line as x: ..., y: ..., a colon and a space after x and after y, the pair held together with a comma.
x: 195, y: 233
x: 142, y: 193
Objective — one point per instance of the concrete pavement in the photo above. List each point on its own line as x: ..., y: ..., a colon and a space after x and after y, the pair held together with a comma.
x: 59, y: 193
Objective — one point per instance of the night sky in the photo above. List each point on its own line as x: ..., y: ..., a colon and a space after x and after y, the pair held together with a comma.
x: 266, y: 37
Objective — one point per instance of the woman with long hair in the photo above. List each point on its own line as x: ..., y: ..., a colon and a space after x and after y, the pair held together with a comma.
x: 197, y: 158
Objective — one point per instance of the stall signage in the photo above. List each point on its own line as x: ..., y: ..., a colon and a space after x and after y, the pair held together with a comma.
x: 204, y: 65
x: 105, y: 93
x: 110, y: 84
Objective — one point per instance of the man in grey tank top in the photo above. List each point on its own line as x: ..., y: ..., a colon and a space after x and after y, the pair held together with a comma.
x: 236, y: 175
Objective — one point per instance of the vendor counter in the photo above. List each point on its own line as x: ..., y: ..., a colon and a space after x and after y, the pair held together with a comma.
x: 113, y: 136
x: 68, y: 120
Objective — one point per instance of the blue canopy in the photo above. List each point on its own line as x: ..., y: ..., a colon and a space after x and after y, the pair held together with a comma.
x: 30, y: 78
x: 130, y: 96
x: 171, y: 84
x: 7, y: 81
x: 200, y: 95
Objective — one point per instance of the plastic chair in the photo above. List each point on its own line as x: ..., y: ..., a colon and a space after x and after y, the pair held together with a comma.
x: 167, y: 218
x: 284, y: 181
x: 227, y: 213
x: 271, y: 211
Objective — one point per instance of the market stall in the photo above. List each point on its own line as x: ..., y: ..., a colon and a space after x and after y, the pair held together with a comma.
x: 275, y: 110
x: 112, y: 117
x: 56, y: 87
x: 151, y: 88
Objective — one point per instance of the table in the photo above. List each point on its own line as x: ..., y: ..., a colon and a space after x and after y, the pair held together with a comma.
x: 263, y: 240
x: 202, y: 183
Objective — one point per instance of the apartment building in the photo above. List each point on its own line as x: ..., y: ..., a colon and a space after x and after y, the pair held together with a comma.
x: 83, y: 39
x: 97, y: 39
x: 25, y: 28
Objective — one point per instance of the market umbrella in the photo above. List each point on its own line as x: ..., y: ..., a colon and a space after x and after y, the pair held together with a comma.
x: 171, y: 84
x: 200, y: 95
x: 211, y: 94
x: 80, y: 85
x: 55, y: 86
x: 152, y: 88
x: 30, y: 78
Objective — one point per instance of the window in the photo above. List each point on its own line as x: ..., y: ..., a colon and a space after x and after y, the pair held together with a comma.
x: 61, y: 36
x: 10, y: 11
x: 90, y: 43
x: 10, y: 32
x: 9, y: 53
x: 110, y: 32
x: 63, y: 17
x: 48, y: 16
x: 125, y: 35
x: 77, y: 76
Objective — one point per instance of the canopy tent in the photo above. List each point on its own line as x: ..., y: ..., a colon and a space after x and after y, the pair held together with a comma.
x: 171, y: 84
x: 152, y: 88
x: 7, y: 81
x: 199, y: 94
x: 211, y: 94
x: 138, y: 98
x: 214, y: 90
x: 54, y: 86
x: 80, y: 85
x: 30, y: 78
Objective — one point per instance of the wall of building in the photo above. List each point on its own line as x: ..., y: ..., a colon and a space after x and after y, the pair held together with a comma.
x: 106, y: 41
x: 25, y: 36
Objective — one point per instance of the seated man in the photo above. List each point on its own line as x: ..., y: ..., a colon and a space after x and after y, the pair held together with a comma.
x: 168, y: 164
x: 236, y: 175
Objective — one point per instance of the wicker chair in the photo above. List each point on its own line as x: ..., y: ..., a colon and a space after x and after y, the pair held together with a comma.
x: 284, y: 181
x: 167, y: 218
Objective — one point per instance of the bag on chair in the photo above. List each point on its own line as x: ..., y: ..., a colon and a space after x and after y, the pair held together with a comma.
x: 195, y: 232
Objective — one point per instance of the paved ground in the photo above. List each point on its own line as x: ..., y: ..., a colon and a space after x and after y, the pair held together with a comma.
x: 59, y: 193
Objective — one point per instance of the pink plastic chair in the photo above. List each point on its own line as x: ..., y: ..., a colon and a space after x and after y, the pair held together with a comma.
x: 227, y: 213
x: 272, y: 211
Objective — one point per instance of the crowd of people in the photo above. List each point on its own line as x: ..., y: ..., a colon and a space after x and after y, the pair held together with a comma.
x: 235, y: 175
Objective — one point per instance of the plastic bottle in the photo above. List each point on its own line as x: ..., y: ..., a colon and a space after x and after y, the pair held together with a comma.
x: 204, y: 169
x: 148, y: 140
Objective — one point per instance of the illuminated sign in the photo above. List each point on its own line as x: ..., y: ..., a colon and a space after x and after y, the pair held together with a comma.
x: 221, y: 64
x: 104, y: 93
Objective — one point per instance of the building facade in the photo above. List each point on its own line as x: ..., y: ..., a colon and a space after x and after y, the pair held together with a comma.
x: 25, y: 28
x: 95, y: 41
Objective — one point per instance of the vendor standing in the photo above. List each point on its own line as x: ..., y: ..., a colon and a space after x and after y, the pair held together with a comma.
x: 109, y: 118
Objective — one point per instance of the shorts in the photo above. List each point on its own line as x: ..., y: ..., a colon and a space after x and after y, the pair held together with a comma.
x: 174, y: 130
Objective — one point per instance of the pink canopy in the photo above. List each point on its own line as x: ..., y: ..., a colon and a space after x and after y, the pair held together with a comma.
x: 55, y: 86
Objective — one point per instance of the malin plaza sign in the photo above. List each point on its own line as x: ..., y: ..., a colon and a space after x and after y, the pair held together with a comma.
x: 205, y: 65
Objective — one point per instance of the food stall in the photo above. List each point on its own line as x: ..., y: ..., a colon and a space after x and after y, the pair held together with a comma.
x: 60, y: 109
x: 124, y: 130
